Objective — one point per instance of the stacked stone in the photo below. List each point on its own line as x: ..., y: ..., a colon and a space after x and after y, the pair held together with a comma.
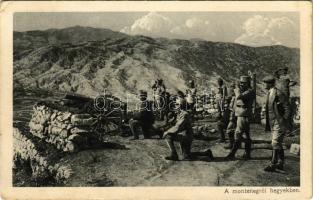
x: 41, y: 157
x: 66, y: 130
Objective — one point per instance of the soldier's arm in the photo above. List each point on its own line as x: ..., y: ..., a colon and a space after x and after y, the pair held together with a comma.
x: 283, y: 103
x: 246, y: 94
x: 164, y: 88
x: 224, y: 93
x: 178, y: 126
x: 253, y: 81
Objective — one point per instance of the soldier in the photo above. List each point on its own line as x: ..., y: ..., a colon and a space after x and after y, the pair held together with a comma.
x: 283, y: 80
x: 230, y: 130
x: 277, y: 115
x: 223, y: 113
x: 144, y: 118
x: 191, y: 96
x: 181, y: 131
x: 243, y: 110
x: 159, y: 91
x: 284, y: 83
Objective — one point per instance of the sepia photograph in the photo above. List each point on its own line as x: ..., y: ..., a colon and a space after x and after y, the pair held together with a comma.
x: 158, y: 98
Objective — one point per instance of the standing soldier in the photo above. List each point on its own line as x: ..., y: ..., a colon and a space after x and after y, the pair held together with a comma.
x: 144, y: 118
x: 191, y: 96
x: 222, y: 110
x: 230, y: 130
x: 159, y: 91
x: 181, y: 131
x: 284, y: 83
x: 253, y: 86
x: 277, y: 115
x: 243, y: 110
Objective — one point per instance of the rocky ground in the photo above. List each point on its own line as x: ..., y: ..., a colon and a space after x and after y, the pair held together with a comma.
x: 140, y: 163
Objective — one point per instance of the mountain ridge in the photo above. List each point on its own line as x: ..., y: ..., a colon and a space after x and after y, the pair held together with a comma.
x: 92, y: 60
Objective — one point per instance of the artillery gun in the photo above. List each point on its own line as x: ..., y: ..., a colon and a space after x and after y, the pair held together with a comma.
x: 109, y: 111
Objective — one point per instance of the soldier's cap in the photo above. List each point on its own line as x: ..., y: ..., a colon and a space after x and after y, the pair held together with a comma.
x: 269, y: 79
x: 180, y: 93
x: 143, y: 93
x: 282, y: 69
x: 244, y: 79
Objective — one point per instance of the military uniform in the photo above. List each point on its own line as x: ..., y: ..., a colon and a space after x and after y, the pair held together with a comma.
x: 283, y: 83
x: 277, y: 112
x: 181, y: 132
x: 191, y: 97
x: 144, y: 118
x: 230, y: 130
x: 243, y: 112
x: 223, y: 111
x: 221, y: 97
x: 159, y: 97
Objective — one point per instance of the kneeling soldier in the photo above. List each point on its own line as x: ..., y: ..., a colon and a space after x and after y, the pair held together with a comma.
x: 181, y: 132
x: 277, y: 112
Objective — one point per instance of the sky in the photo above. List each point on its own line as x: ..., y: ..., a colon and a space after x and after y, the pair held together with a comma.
x: 247, y: 28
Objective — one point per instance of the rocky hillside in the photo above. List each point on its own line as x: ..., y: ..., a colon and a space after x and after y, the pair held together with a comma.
x: 89, y: 61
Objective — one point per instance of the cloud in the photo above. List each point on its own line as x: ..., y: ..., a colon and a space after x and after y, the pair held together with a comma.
x: 152, y: 24
x: 155, y: 24
x: 196, y: 23
x: 264, y: 31
x: 256, y: 40
x: 194, y: 27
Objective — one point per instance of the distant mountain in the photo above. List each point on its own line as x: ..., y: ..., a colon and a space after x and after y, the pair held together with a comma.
x: 73, y: 35
x: 88, y: 60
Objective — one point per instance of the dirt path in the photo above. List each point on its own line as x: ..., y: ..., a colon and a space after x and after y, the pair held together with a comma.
x: 142, y: 163
x: 220, y: 172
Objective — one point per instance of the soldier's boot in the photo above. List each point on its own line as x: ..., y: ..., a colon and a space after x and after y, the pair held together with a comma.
x: 173, y: 155
x: 247, y: 153
x: 281, y: 159
x: 156, y: 132
x: 160, y: 133
x: 231, y: 140
x: 209, y: 154
x: 133, y: 129
x: 231, y: 155
x: 186, y: 149
x: 147, y: 131
x: 273, y: 165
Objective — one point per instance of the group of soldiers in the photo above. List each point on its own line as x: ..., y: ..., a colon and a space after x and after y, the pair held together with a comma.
x: 235, y: 108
